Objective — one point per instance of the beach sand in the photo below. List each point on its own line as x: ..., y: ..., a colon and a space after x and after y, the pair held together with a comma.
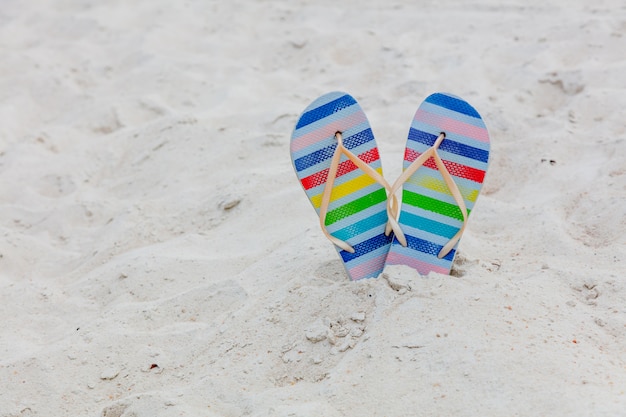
x: 159, y: 258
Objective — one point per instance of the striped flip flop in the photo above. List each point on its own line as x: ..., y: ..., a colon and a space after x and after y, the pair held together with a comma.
x: 445, y: 161
x: 336, y: 159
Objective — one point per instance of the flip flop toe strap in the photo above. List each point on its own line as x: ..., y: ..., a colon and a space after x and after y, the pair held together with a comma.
x: 454, y: 190
x: 392, y: 202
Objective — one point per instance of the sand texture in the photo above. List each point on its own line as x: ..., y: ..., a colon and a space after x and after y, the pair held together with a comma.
x: 159, y: 257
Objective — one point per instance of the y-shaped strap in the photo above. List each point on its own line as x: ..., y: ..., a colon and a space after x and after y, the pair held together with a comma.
x: 392, y: 202
x: 454, y: 189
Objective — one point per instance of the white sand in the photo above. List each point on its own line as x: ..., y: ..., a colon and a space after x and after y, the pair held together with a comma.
x: 159, y: 258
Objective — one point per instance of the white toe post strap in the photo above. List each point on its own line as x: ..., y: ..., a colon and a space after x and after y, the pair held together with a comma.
x: 392, y: 201
x: 392, y: 209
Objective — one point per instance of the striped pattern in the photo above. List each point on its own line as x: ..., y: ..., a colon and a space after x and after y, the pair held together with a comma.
x: 357, y: 211
x: 429, y: 215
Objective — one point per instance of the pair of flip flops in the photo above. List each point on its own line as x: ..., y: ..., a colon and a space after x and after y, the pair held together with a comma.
x: 336, y: 159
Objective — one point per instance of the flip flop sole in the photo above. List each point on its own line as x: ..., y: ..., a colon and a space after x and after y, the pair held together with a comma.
x: 429, y: 215
x: 357, y: 210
